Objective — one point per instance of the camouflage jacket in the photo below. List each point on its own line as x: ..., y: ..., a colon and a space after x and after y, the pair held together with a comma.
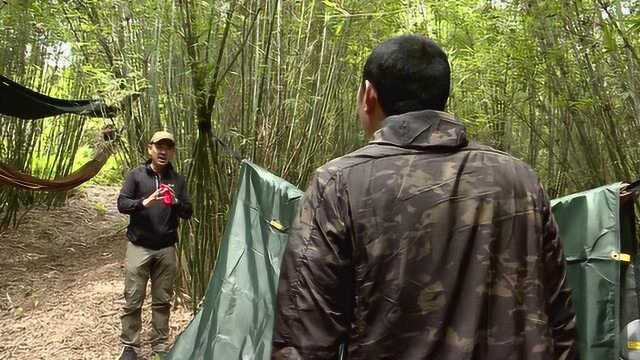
x: 421, y: 245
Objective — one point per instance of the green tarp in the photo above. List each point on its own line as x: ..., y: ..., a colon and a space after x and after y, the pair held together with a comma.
x: 235, y: 320
x: 598, y: 234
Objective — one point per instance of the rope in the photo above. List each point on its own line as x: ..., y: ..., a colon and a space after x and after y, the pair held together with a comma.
x: 227, y: 148
x: 205, y: 127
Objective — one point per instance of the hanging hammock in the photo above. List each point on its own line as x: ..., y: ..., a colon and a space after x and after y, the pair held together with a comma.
x: 19, y: 101
x: 13, y: 177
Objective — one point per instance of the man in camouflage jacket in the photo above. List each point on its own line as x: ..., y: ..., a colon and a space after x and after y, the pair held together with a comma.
x: 422, y: 245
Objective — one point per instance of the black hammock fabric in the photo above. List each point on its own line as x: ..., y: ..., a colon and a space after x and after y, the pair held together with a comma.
x: 19, y: 101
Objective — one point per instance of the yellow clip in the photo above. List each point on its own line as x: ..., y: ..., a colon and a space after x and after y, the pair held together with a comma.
x: 633, y: 345
x: 621, y: 257
x: 276, y: 224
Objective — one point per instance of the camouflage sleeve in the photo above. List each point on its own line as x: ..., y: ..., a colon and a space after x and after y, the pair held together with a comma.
x: 560, y: 309
x: 312, y: 315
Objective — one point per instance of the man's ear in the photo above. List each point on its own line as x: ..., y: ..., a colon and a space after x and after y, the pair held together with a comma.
x: 149, y: 148
x: 369, y: 98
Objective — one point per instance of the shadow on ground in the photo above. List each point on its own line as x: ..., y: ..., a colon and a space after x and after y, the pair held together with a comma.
x: 61, y: 284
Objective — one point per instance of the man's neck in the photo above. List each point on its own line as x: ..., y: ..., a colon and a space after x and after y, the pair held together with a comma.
x: 157, y: 168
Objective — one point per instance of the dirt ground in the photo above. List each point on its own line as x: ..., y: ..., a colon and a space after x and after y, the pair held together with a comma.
x: 61, y: 282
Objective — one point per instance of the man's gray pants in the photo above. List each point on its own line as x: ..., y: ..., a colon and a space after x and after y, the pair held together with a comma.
x: 143, y: 264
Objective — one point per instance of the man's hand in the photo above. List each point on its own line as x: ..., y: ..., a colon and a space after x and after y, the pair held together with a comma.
x: 154, y: 197
x: 170, y: 189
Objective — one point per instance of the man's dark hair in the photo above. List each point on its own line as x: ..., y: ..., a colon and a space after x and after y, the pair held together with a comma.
x: 410, y: 73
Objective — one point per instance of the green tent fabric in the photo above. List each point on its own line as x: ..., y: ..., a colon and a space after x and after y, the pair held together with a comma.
x: 598, y: 233
x: 235, y: 320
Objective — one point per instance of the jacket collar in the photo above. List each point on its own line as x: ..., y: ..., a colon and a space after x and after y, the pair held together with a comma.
x: 422, y: 130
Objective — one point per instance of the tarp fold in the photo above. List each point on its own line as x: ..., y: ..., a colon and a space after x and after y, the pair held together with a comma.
x: 235, y: 320
x: 598, y: 235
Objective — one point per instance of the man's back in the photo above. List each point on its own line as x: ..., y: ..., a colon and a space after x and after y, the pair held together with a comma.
x: 421, y: 246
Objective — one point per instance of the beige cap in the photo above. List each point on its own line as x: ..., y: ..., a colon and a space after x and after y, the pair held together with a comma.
x: 162, y: 135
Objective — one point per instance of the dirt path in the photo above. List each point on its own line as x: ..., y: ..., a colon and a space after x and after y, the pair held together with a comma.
x: 61, y: 283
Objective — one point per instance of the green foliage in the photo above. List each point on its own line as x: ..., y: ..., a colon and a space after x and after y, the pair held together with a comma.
x: 101, y: 209
x: 111, y: 173
x: 553, y: 82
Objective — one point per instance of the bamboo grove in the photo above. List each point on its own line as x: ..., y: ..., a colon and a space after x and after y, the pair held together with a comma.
x: 553, y: 82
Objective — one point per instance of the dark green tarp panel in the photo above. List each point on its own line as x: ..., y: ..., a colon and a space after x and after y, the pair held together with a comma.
x: 598, y: 235
x: 235, y: 320
x: 19, y: 101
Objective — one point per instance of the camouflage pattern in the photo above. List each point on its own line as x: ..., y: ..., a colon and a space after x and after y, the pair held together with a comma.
x: 421, y: 245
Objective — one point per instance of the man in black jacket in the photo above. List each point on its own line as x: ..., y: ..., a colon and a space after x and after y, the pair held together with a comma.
x: 154, y: 195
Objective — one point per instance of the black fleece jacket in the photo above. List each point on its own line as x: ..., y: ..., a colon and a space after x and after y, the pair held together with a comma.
x: 154, y: 227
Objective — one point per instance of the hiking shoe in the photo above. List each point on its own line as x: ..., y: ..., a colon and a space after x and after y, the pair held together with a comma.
x: 128, y: 353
